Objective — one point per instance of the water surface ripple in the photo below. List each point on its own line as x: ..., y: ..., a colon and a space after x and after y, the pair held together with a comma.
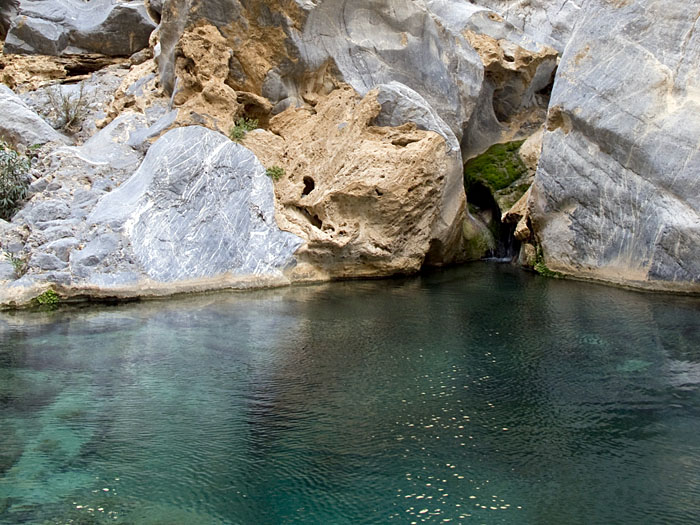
x: 479, y: 394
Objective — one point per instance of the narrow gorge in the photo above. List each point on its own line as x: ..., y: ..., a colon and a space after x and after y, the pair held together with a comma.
x: 141, y: 137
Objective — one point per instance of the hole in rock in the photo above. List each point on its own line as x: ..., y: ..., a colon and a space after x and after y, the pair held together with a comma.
x: 403, y: 141
x: 485, y: 207
x: 313, y: 219
x: 309, y: 186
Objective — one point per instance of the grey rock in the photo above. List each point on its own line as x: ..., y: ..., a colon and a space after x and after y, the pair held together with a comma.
x: 20, y: 125
x: 110, y: 145
x: 114, y: 279
x: 46, y: 261
x: 7, y: 271
x: 401, y: 104
x: 14, y: 247
x: 199, y: 206
x: 551, y: 22
x: 93, y: 253
x: 62, y: 248
x: 108, y: 27
x: 62, y: 278
x: 38, y: 185
x: 138, y: 138
x: 61, y: 231
x: 617, y: 193
x: 46, y: 211
x: 375, y: 42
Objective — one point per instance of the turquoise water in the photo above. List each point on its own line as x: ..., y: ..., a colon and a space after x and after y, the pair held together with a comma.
x: 481, y: 394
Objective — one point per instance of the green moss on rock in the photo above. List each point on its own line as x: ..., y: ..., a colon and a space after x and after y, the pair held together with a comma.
x: 497, y: 168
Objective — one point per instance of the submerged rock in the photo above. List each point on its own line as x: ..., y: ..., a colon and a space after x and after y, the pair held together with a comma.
x: 617, y: 192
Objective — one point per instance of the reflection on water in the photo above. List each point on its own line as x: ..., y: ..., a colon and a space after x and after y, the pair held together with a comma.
x: 480, y: 393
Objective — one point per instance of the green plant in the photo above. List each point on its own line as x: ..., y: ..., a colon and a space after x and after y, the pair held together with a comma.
x: 69, y: 109
x: 14, y: 183
x: 241, y: 127
x: 275, y: 172
x: 20, y: 264
x: 497, y: 168
x: 48, y: 298
x: 541, y: 268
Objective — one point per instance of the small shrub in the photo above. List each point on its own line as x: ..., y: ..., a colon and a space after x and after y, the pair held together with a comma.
x: 69, y: 109
x: 20, y: 264
x: 13, y: 180
x: 242, y: 126
x: 275, y: 172
x: 48, y: 298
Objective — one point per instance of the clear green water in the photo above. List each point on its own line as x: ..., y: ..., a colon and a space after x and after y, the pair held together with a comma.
x: 480, y: 394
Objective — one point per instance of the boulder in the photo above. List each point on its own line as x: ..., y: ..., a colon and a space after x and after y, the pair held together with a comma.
x: 199, y: 206
x: 368, y: 200
x: 617, y: 194
x: 20, y: 125
x: 58, y: 27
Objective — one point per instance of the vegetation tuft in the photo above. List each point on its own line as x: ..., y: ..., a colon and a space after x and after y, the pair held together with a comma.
x: 49, y: 299
x: 541, y: 268
x: 241, y: 127
x: 69, y: 109
x: 275, y: 172
x: 14, y: 182
x: 20, y: 264
x: 497, y: 168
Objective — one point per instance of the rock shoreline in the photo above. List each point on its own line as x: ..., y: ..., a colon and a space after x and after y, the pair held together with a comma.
x: 367, y: 112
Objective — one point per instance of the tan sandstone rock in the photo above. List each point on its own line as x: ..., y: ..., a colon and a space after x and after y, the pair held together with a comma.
x: 365, y: 198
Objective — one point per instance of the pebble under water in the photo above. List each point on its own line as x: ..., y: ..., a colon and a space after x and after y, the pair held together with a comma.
x: 478, y: 394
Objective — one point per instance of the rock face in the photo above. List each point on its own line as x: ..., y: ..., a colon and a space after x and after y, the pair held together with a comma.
x: 198, y: 207
x: 549, y: 21
x: 291, y: 53
x: 57, y: 27
x: 368, y: 200
x: 20, y: 125
x: 197, y: 214
x: 617, y: 192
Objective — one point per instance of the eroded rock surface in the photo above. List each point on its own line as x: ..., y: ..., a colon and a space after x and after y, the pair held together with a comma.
x: 368, y: 200
x: 293, y: 52
x: 617, y: 192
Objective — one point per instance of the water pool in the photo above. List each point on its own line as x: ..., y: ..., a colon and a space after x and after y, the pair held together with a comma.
x: 479, y: 394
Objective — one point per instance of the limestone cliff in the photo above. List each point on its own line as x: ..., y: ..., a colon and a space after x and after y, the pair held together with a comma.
x: 617, y: 191
x: 368, y: 110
